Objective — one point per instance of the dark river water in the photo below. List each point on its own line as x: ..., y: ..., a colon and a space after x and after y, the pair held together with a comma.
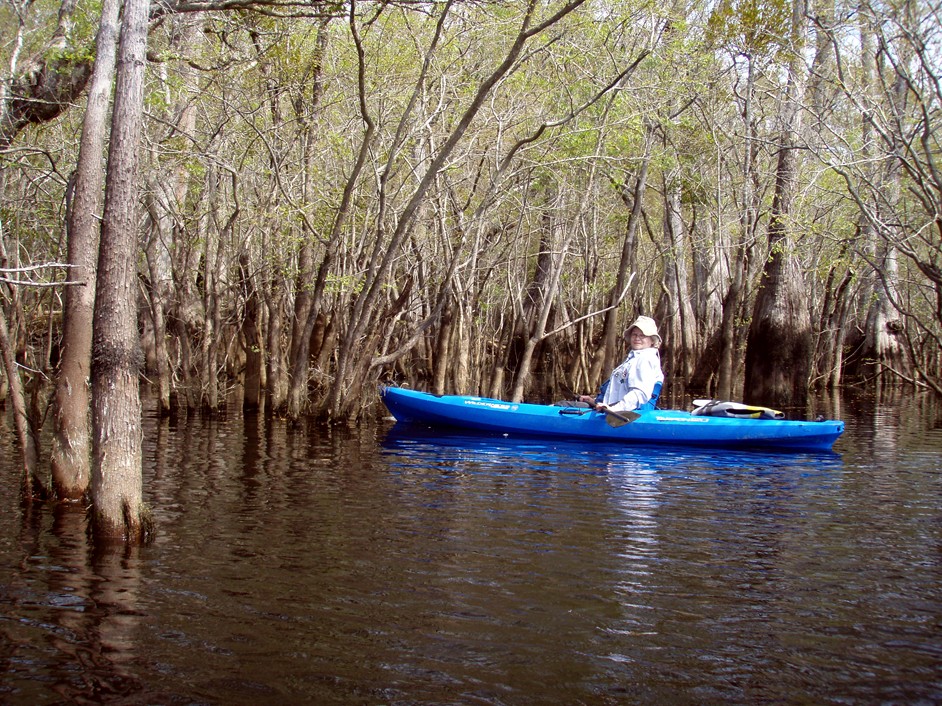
x: 382, y: 566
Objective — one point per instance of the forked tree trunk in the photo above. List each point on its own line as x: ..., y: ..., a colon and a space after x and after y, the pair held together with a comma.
x: 307, y: 297
x: 834, y: 315
x: 71, y: 441
x: 116, y: 484
x: 441, y: 360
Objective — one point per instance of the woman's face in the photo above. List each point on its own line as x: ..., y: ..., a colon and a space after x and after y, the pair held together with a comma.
x: 637, y: 340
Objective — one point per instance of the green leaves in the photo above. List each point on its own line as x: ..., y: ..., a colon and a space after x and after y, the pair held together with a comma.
x: 753, y: 28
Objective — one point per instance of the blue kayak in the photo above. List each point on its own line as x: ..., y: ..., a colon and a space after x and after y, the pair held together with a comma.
x: 655, y: 426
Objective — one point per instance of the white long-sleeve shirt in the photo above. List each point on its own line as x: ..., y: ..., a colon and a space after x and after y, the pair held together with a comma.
x: 632, y: 383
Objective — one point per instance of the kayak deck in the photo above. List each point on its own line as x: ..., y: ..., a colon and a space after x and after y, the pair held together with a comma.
x: 671, y: 427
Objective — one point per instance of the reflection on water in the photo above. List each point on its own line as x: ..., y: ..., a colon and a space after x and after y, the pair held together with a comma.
x: 384, y: 565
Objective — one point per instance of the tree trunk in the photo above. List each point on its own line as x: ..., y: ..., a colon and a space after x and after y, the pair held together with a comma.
x: 441, y: 360
x: 71, y: 441
x: 834, y: 315
x: 25, y: 433
x: 277, y: 389
x: 779, y: 345
x: 634, y: 200
x: 727, y: 340
x: 674, y: 311
x: 711, y: 278
x: 116, y: 483
x: 462, y: 374
x: 161, y: 292
x: 882, y: 349
x: 733, y: 302
x: 178, y: 256
x: 216, y: 239
x: 252, y: 337
x: 302, y: 327
x: 367, y: 303
x: 883, y: 352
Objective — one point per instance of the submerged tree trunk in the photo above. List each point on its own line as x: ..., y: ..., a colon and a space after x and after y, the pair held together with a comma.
x: 71, y: 442
x: 835, y: 311
x: 779, y: 345
x: 276, y: 390
x: 882, y: 350
x: 161, y: 293
x: 733, y: 303
x: 25, y: 433
x: 116, y: 484
x: 251, y: 334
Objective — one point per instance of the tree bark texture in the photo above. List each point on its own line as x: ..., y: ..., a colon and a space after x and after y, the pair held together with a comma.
x: 251, y: 334
x: 116, y: 486
x: 778, y: 357
x: 161, y: 286
x: 71, y: 443
x: 25, y: 433
x: 674, y: 312
x: 736, y: 295
x: 882, y: 350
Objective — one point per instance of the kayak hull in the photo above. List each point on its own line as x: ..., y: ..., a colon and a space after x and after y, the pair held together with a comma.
x: 669, y: 427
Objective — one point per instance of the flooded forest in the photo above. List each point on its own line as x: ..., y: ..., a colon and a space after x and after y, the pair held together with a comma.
x: 282, y: 205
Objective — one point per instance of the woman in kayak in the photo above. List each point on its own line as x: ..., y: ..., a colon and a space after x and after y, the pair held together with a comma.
x: 632, y: 383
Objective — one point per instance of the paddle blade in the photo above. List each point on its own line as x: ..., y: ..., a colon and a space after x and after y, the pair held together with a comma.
x: 620, y: 419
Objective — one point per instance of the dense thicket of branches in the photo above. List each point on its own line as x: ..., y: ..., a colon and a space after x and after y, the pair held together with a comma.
x: 454, y: 195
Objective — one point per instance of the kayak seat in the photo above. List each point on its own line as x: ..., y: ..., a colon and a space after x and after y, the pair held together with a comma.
x: 655, y: 395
